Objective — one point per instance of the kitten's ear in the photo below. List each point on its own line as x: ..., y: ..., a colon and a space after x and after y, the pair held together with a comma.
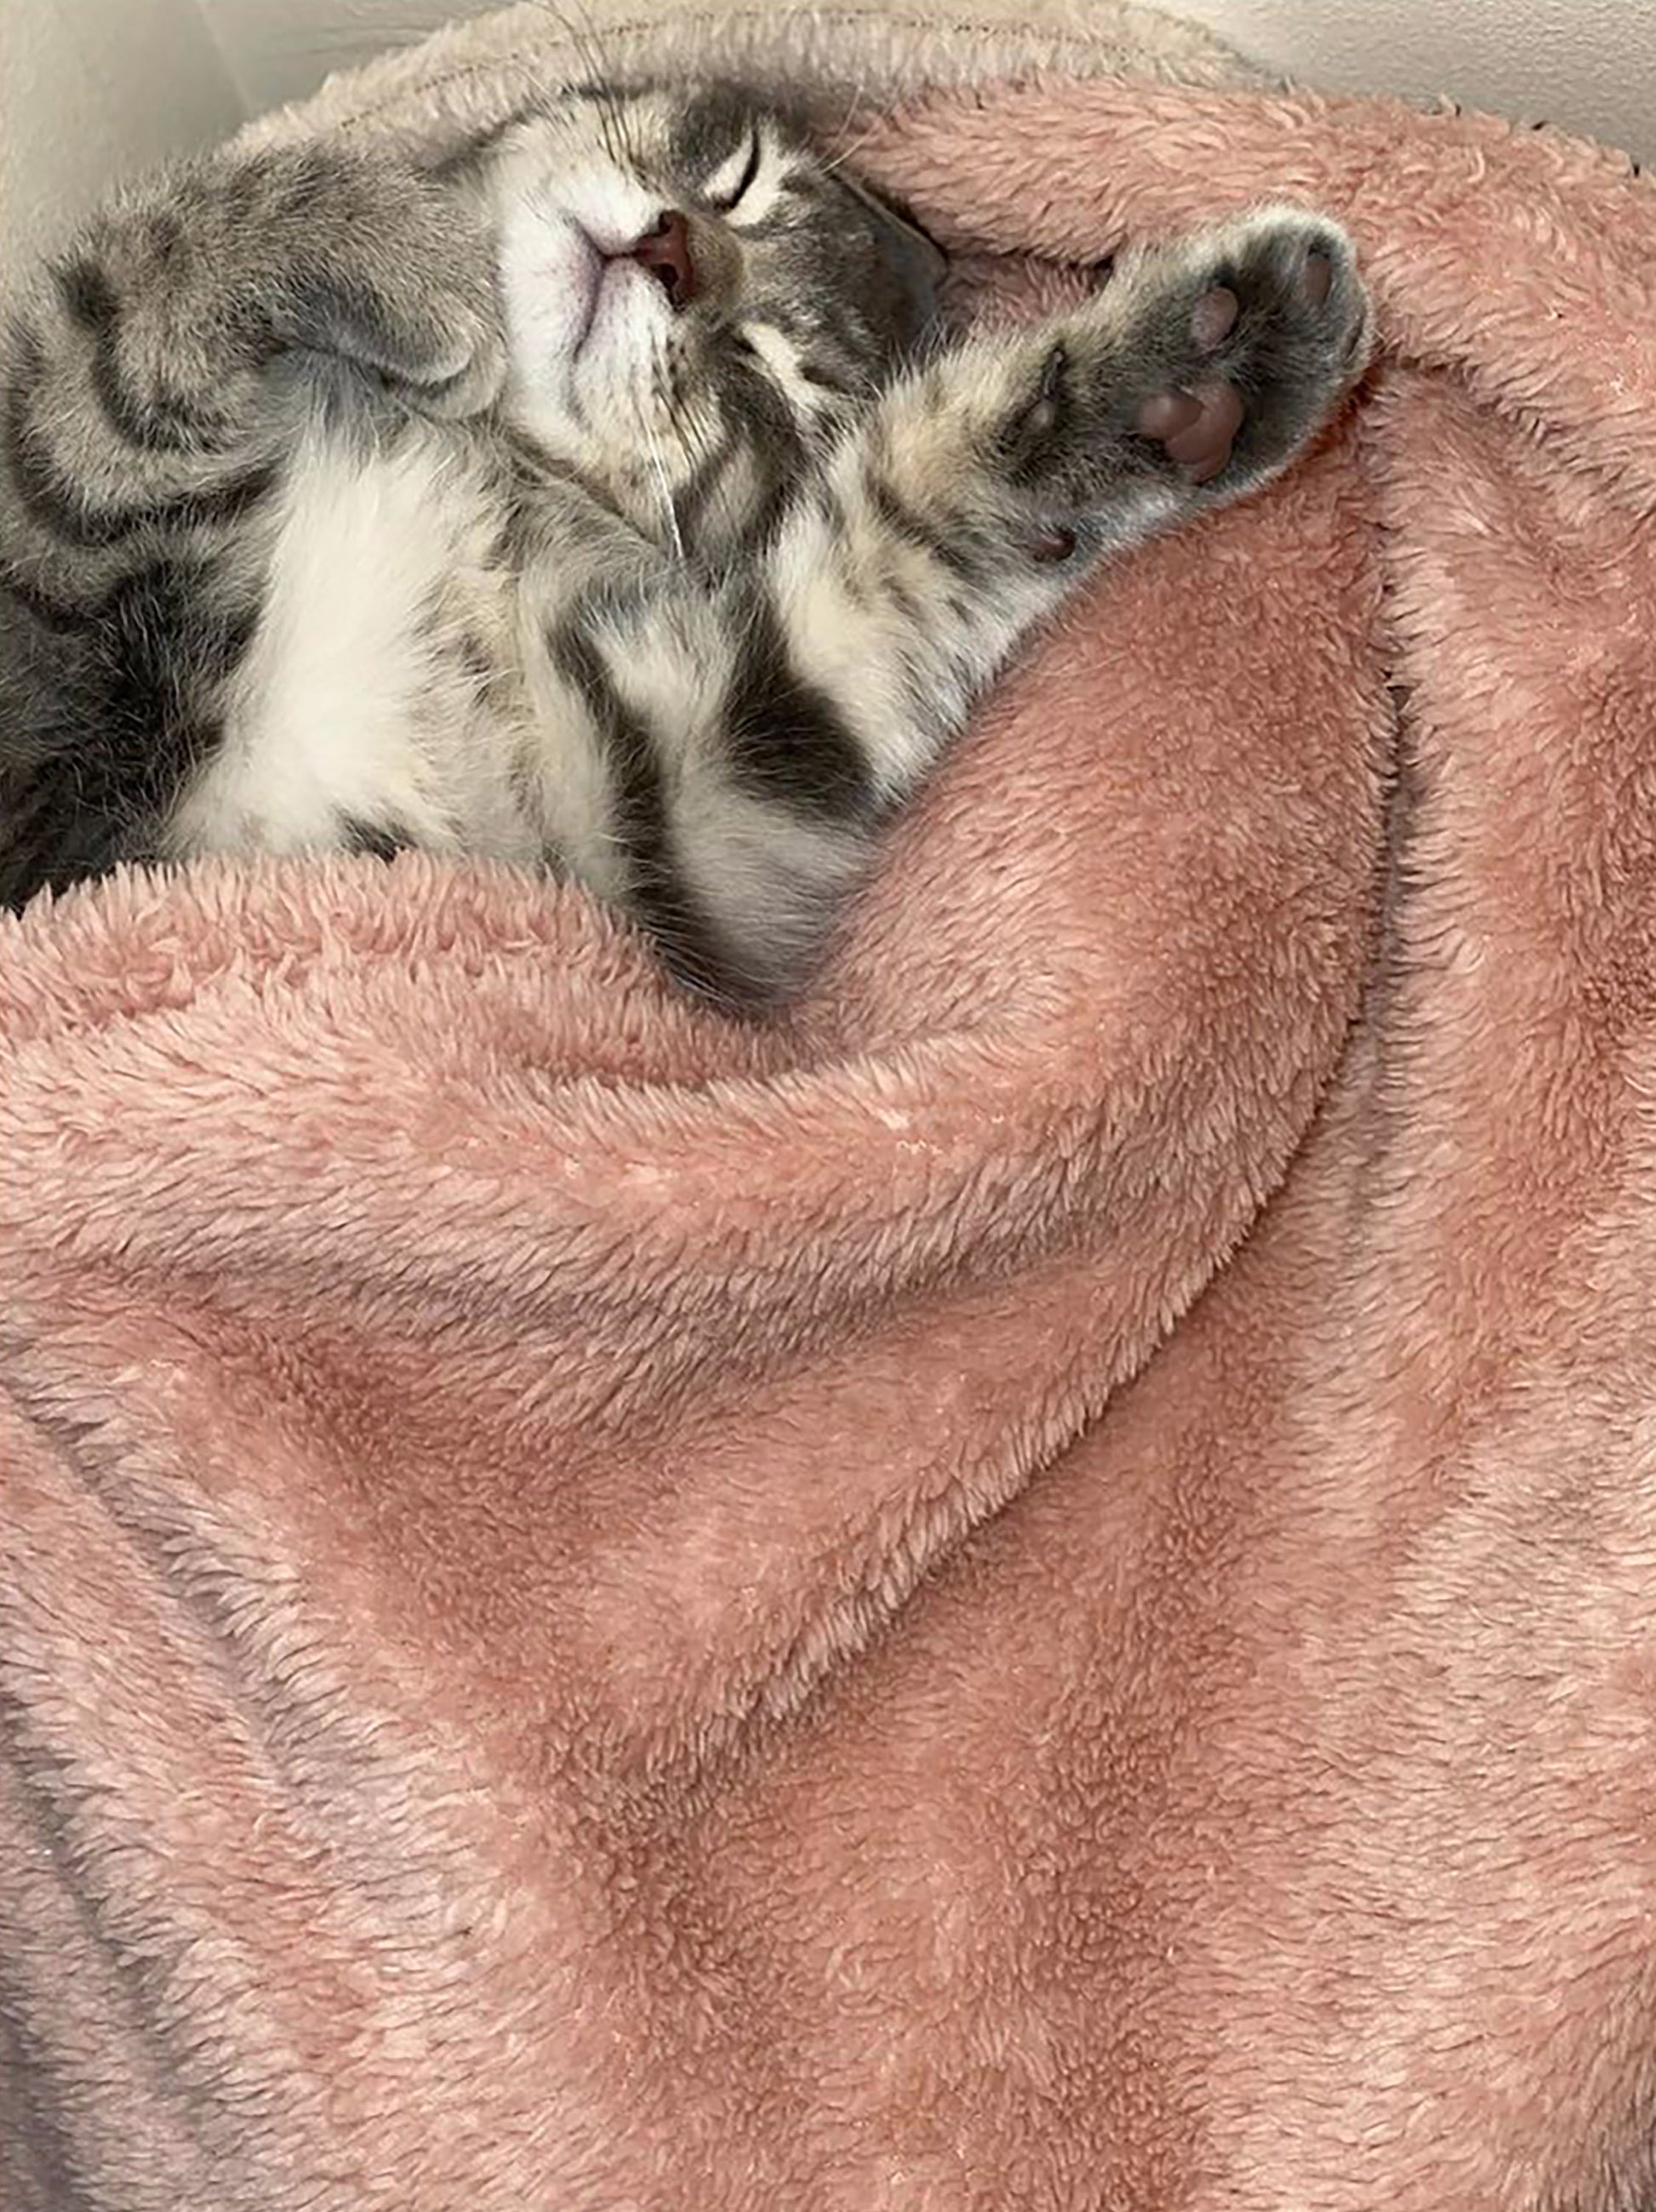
x: 917, y: 265
x: 931, y: 262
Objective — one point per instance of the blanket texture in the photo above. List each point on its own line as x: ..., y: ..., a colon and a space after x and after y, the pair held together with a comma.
x: 1031, y: 1588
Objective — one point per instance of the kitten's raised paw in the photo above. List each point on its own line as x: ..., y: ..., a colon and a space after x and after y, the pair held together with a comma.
x: 1242, y: 341
x: 377, y: 266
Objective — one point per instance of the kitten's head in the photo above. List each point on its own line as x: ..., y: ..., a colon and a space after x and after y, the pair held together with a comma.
x: 695, y: 299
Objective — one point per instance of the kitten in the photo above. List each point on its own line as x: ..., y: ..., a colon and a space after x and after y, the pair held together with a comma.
x: 605, y: 503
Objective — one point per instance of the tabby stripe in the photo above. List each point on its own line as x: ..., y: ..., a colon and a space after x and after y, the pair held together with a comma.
x: 54, y: 839
x: 789, y: 745
x: 663, y: 900
x: 748, y: 394
x: 951, y: 551
x: 144, y: 720
x: 210, y: 645
x: 55, y: 508
x: 63, y: 617
x: 813, y: 372
x: 371, y: 840
x: 161, y: 424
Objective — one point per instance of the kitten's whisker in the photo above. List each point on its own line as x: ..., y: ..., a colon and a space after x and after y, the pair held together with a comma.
x: 670, y: 512
x: 612, y: 121
x: 834, y: 162
x: 853, y: 106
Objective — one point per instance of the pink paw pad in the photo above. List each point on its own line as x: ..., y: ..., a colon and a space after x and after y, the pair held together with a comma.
x: 1198, y: 427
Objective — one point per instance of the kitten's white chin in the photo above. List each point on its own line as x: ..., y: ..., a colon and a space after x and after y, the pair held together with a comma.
x: 584, y: 332
x: 622, y: 338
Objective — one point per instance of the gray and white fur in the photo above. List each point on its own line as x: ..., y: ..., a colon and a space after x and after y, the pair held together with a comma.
x: 607, y: 502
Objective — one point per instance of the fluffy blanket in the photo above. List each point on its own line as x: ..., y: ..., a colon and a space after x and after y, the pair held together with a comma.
x: 1033, y: 1588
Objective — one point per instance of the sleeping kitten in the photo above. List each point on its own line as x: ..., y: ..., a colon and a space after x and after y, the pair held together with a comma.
x: 605, y: 503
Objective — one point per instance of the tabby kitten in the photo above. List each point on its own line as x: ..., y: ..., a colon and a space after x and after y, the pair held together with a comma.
x: 605, y: 502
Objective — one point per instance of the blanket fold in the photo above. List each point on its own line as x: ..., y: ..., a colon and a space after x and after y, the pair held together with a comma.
x: 1028, y: 1586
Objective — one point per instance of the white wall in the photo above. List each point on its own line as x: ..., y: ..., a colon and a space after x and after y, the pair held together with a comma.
x: 277, y: 50
x: 1589, y: 65
x: 90, y: 90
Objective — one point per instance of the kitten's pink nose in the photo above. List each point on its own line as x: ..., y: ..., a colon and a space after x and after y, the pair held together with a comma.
x: 665, y: 252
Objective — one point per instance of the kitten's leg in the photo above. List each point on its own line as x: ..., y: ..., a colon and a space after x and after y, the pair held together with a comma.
x: 759, y: 735
x: 986, y: 485
x: 153, y: 391
x: 140, y: 375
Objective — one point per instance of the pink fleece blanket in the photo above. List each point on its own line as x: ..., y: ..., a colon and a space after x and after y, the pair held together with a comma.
x: 1036, y: 1589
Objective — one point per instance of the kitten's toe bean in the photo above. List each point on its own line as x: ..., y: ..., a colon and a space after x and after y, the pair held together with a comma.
x: 1215, y: 317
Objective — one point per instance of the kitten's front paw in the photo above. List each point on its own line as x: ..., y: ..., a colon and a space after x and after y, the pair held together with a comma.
x: 454, y: 366
x: 1199, y: 372
x: 1239, y: 345
x: 440, y: 352
x: 390, y: 271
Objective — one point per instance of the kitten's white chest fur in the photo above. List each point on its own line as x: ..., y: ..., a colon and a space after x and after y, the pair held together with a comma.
x: 351, y: 705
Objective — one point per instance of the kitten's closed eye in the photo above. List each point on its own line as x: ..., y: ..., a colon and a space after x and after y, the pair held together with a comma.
x: 730, y: 183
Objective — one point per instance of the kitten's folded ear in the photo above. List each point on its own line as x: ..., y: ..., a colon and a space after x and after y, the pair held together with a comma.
x: 916, y: 258
x: 930, y: 258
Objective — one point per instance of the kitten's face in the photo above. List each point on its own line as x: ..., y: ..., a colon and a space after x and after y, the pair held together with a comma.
x: 694, y: 299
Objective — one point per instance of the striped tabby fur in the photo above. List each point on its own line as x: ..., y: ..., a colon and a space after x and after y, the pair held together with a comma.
x: 607, y: 502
